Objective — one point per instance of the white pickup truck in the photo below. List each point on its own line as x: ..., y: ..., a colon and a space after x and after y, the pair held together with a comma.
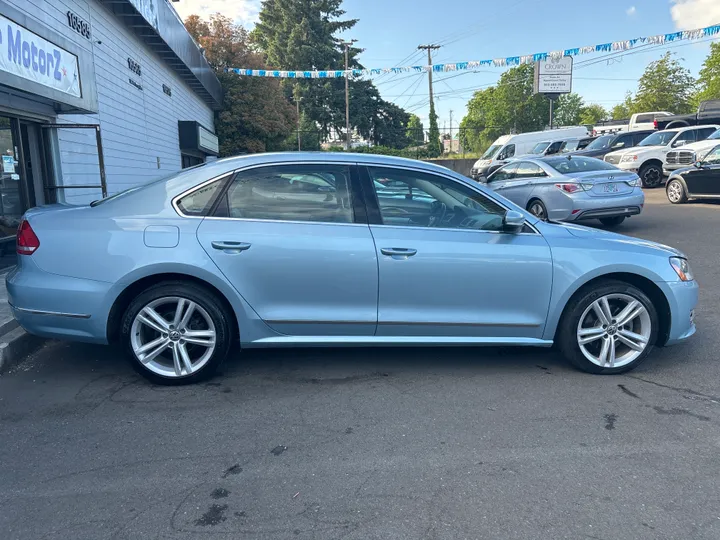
x: 637, y: 122
x: 648, y: 158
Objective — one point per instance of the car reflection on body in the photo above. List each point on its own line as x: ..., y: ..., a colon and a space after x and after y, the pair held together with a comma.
x: 311, y: 249
x: 570, y: 188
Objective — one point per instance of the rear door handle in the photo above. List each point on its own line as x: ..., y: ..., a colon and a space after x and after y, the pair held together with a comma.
x: 230, y: 247
x: 398, y: 253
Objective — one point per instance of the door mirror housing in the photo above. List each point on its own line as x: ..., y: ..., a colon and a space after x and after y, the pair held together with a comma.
x: 699, y: 164
x: 513, y: 221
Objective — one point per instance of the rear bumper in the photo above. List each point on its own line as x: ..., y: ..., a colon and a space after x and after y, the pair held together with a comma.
x: 587, y: 207
x: 53, y: 306
x: 682, y: 297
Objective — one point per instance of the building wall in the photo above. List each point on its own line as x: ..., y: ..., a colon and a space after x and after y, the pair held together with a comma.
x: 139, y: 128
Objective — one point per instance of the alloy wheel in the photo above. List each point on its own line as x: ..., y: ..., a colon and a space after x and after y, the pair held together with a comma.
x: 614, y: 330
x: 675, y: 191
x: 538, y: 211
x: 173, y: 336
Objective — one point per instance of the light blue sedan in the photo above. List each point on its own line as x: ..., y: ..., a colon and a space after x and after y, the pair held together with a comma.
x: 337, y: 249
x: 570, y: 188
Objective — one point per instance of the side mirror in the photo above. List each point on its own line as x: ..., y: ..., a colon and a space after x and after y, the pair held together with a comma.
x: 513, y: 221
x: 698, y: 164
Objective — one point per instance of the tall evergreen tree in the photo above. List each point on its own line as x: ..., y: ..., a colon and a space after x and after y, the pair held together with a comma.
x: 434, y: 145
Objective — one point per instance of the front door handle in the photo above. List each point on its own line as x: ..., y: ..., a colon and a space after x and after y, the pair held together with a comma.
x: 230, y: 247
x: 398, y: 253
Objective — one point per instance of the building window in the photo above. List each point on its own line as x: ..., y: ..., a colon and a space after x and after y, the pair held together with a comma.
x: 190, y: 161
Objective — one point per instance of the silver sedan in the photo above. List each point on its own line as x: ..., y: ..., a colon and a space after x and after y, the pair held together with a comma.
x: 570, y: 188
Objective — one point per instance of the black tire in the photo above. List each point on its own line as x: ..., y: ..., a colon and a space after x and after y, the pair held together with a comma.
x: 679, y: 195
x: 567, y: 331
x: 651, y: 175
x: 612, y: 221
x: 538, y: 209
x: 204, y: 298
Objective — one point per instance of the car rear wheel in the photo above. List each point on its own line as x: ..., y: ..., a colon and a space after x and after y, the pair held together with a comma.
x: 612, y: 221
x: 676, y: 192
x: 651, y: 175
x: 608, y: 328
x: 176, y: 333
x: 537, y: 209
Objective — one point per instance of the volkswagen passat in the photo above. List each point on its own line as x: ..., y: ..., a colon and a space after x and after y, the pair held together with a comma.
x: 337, y: 249
x: 570, y: 188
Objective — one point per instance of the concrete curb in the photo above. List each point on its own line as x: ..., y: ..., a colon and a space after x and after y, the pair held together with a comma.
x: 15, y: 346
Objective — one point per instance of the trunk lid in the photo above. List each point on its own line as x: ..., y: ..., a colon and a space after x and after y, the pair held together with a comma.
x: 606, y: 183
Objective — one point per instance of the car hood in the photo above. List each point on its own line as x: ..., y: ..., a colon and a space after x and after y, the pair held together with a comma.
x: 699, y: 146
x: 636, y: 150
x: 588, y: 233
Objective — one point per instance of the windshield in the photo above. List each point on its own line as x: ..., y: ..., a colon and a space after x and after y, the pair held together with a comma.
x: 600, y: 143
x: 661, y: 138
x: 490, y: 152
x: 715, y: 135
x: 576, y: 164
x: 539, y: 148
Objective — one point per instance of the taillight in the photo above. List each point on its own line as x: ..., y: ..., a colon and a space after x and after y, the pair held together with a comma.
x: 655, y: 124
x: 27, y: 241
x: 568, y: 188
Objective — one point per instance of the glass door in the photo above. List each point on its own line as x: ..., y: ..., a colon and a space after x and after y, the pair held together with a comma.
x: 12, y: 205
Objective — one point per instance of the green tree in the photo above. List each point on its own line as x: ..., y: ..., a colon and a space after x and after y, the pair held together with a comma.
x: 568, y: 109
x: 592, y: 114
x: 434, y: 146
x: 665, y: 86
x: 622, y: 111
x: 415, y: 131
x: 709, y: 80
x: 255, y: 116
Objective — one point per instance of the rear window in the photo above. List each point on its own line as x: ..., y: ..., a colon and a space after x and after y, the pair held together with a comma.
x: 643, y: 118
x: 576, y: 164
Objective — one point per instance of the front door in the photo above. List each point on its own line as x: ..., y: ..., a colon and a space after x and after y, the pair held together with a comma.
x: 294, y: 241
x: 446, y: 268
x: 705, y: 180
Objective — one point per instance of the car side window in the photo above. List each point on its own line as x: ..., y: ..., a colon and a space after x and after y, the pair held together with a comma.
x: 637, y: 137
x: 704, y: 133
x: 554, y: 148
x: 624, y: 141
x: 505, y: 173
x: 314, y: 193
x: 527, y: 169
x: 508, y: 152
x: 200, y: 201
x: 418, y: 199
x: 644, y: 118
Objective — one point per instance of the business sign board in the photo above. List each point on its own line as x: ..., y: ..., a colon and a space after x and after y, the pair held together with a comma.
x: 28, y: 56
x: 554, y: 75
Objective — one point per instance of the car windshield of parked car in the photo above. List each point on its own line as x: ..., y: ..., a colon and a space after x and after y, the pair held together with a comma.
x: 540, y: 148
x: 600, y: 143
x: 490, y: 152
x: 713, y: 157
x: 661, y: 138
x: 577, y: 164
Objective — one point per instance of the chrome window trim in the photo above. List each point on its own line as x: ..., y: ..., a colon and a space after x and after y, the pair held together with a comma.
x: 257, y: 166
x: 405, y: 227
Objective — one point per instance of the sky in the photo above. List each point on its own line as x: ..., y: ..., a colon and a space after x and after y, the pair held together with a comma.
x: 389, y: 31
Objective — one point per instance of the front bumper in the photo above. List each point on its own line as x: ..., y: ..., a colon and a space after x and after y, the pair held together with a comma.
x: 682, y: 297
x: 669, y: 168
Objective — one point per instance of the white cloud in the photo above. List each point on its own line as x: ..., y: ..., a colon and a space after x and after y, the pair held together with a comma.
x: 244, y: 12
x: 689, y: 14
x: 631, y: 11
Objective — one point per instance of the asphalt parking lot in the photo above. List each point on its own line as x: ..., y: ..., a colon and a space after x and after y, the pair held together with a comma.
x: 434, y: 443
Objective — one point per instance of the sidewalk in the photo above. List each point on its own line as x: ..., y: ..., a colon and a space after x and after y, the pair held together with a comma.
x: 15, y: 343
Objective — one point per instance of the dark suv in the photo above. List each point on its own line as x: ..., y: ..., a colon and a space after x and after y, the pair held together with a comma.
x: 616, y: 141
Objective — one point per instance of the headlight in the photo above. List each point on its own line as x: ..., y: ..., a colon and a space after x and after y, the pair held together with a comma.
x: 631, y: 157
x: 682, y: 267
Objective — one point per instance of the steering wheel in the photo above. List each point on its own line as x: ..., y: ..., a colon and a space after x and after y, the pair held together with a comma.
x: 437, y: 213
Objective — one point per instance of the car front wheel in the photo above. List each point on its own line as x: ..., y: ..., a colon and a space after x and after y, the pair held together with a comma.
x: 608, y: 328
x: 176, y: 333
x: 676, y: 192
x: 651, y: 175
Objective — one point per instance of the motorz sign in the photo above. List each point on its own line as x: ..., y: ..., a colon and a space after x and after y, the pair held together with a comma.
x: 31, y: 57
x: 554, y: 75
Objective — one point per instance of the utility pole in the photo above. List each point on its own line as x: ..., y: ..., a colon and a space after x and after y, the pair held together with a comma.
x: 430, y: 48
x: 451, y: 139
x: 297, y: 99
x: 347, y: 95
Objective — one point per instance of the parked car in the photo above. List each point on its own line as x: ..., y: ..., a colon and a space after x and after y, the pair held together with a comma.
x: 575, y: 145
x: 609, y: 143
x: 637, y: 122
x: 509, y: 146
x: 708, y: 113
x: 690, y: 153
x: 570, y: 188
x: 177, y: 270
x: 702, y: 180
x: 648, y: 158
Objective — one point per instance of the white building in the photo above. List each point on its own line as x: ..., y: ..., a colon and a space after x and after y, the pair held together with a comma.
x: 127, y: 70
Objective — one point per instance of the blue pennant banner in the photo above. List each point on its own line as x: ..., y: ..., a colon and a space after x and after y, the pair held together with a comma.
x: 660, y: 39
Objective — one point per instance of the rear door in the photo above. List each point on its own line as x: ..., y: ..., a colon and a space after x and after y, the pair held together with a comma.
x: 527, y: 176
x: 294, y: 241
x: 705, y: 180
x: 502, y: 178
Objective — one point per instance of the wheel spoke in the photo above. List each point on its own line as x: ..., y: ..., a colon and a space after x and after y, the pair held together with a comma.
x: 152, y: 344
x: 622, y: 316
x: 150, y: 313
x: 204, y: 342
x: 185, y: 359
x: 599, y: 311
x: 611, y: 355
x: 151, y: 323
x: 632, y: 340
x: 177, y: 362
x: 179, y: 312
x: 588, y: 335
x: 152, y: 355
x: 604, y: 352
x: 639, y: 310
x: 188, y: 313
